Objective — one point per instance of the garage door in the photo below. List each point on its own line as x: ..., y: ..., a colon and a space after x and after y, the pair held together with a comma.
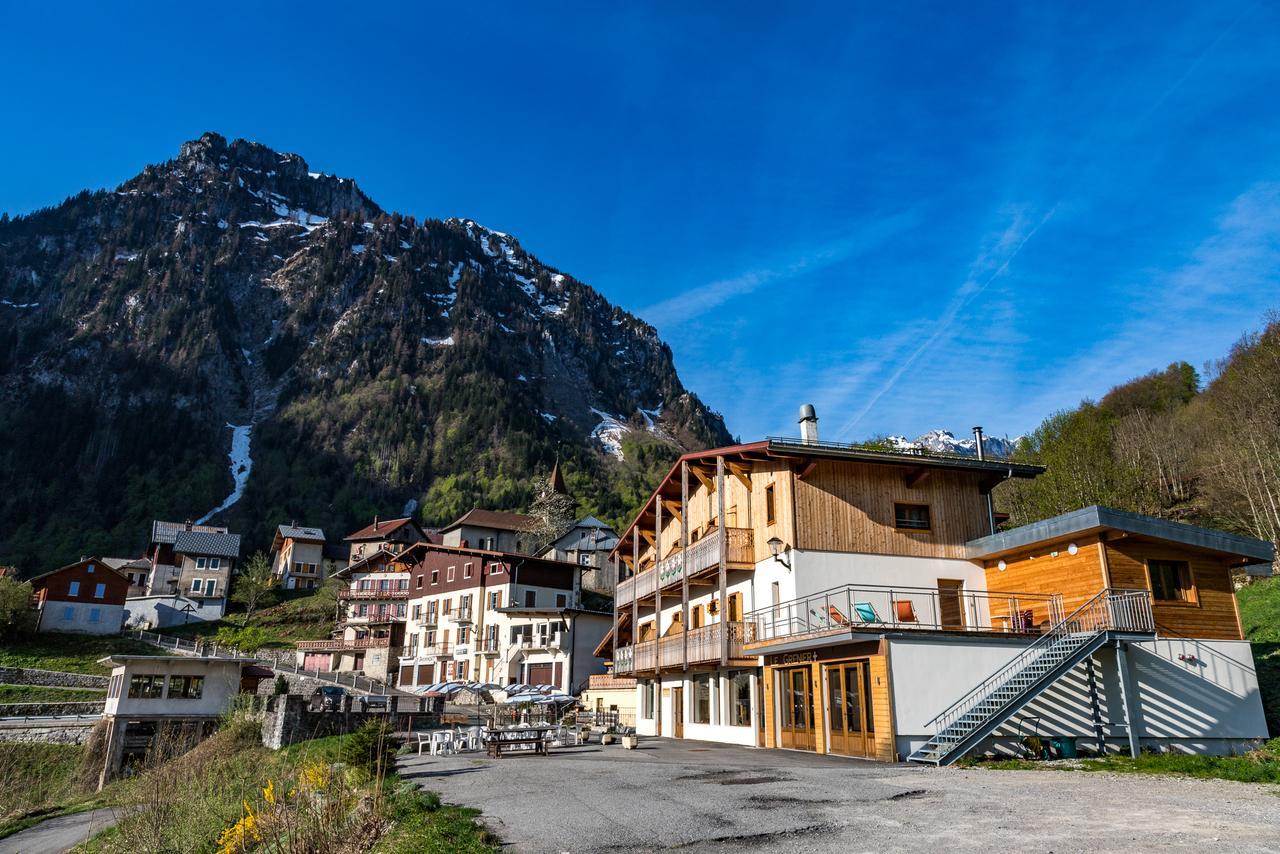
x: 317, y: 661
x: 538, y: 674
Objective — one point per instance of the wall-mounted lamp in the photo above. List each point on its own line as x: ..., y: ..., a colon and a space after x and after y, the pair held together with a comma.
x: 1002, y: 566
x: 1072, y: 549
x: 779, y: 550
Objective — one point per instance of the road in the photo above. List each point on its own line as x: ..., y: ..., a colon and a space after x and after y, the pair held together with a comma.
x: 718, y: 798
x: 58, y: 834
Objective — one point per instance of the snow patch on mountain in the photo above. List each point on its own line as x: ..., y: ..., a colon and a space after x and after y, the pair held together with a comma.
x: 609, y: 433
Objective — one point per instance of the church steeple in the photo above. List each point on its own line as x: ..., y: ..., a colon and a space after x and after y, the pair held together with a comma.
x: 556, y: 481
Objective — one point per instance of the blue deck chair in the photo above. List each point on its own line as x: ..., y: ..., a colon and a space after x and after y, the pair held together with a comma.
x: 866, y: 612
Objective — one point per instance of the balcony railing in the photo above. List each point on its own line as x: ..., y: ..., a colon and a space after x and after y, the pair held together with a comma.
x: 489, y: 646
x: 553, y: 640
x: 345, y: 643
x: 698, y: 558
x: 389, y: 593
x: 871, y: 607
x: 461, y: 615
x: 427, y: 654
x: 704, y: 645
x: 388, y: 616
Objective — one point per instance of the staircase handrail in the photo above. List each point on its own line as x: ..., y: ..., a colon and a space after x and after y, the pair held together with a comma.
x: 1112, y: 609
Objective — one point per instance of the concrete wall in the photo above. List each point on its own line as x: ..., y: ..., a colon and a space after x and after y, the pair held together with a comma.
x: 221, y: 685
x: 54, y: 617
x: 21, y: 710
x: 1208, y: 703
x: 160, y: 612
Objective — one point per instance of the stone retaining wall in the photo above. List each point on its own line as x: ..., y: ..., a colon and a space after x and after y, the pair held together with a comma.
x: 286, y: 719
x: 53, y: 678
x: 48, y: 732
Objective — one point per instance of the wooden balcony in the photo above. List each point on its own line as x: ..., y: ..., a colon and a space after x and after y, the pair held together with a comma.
x: 344, y: 643
x: 699, y: 560
x: 668, y: 653
x: 373, y: 594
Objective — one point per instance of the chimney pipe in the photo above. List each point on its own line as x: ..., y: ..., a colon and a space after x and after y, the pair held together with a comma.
x: 991, y: 508
x: 808, y: 424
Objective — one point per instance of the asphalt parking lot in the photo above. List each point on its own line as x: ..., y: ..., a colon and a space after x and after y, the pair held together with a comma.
x: 712, y: 797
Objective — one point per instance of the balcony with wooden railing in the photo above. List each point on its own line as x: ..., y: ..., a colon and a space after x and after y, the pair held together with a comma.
x: 704, y: 646
x: 337, y: 644
x: 700, y: 558
x: 376, y: 593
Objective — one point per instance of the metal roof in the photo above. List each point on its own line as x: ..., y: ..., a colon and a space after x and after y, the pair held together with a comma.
x: 294, y: 532
x: 167, y: 532
x: 203, y: 543
x: 1096, y: 518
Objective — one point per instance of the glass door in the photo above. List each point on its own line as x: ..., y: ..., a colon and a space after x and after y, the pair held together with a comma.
x: 849, y: 709
x: 795, y: 728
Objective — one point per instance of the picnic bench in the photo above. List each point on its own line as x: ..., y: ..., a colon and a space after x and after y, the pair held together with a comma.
x: 520, y: 740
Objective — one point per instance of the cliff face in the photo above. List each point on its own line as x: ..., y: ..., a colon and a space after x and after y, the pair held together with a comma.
x: 369, y: 362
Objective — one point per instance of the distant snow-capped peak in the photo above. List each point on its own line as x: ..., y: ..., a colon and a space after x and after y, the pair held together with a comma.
x: 945, y: 442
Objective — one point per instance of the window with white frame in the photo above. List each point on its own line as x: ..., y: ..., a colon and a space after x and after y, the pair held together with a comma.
x: 466, y: 570
x: 584, y: 558
x: 201, y: 563
x: 647, y: 690
x: 210, y: 585
x: 196, y: 584
x: 449, y: 575
x: 215, y: 563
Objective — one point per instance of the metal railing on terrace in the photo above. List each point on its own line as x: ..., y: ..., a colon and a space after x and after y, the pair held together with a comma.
x: 704, y: 645
x: 429, y: 653
x: 278, y: 659
x: 874, y: 607
x: 698, y: 558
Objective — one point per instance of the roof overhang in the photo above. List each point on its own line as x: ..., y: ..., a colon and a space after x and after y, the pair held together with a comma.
x: 1097, y: 519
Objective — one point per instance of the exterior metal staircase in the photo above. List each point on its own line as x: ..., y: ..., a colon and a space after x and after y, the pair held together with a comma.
x: 1109, y: 616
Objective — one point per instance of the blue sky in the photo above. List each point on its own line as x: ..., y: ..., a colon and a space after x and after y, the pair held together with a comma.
x: 912, y: 215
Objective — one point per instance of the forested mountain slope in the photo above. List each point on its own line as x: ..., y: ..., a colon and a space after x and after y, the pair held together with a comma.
x: 1169, y: 444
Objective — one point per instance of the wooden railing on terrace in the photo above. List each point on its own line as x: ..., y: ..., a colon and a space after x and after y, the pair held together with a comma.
x: 698, y: 558
x: 374, y: 594
x: 704, y: 645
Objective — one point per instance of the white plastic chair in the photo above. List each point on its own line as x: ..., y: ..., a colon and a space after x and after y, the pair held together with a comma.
x: 442, y: 742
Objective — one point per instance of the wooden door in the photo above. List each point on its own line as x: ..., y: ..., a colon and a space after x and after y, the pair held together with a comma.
x: 539, y: 674
x: 795, y: 724
x: 951, y: 603
x: 848, y: 709
x: 677, y: 712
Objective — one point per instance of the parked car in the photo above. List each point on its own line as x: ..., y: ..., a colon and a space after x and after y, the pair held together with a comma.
x: 327, y: 698
x: 375, y: 701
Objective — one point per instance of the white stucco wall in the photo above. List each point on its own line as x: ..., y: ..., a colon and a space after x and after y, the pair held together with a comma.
x: 1209, y: 703
x: 55, y: 617
x: 718, y: 730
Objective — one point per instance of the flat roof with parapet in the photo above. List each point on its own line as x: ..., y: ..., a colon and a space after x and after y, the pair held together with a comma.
x: 1097, y: 518
x: 123, y: 659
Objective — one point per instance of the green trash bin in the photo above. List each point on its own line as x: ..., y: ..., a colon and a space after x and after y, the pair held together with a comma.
x: 1064, y: 746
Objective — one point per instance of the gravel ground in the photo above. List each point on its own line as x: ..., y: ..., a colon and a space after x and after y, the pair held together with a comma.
x: 711, y: 797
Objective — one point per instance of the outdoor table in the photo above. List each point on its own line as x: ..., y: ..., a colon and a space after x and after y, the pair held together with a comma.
x: 517, y: 737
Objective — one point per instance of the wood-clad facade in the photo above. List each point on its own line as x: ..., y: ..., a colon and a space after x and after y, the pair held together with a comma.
x: 1105, y: 560
x: 849, y: 507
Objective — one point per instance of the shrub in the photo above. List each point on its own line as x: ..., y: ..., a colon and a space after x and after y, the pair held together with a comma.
x: 371, y: 749
x: 281, y: 686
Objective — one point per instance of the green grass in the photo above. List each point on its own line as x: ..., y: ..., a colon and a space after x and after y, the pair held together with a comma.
x: 69, y: 653
x: 1260, y: 617
x: 297, y: 615
x: 45, y: 694
x: 38, y: 781
x: 1257, y: 766
x: 423, y: 825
